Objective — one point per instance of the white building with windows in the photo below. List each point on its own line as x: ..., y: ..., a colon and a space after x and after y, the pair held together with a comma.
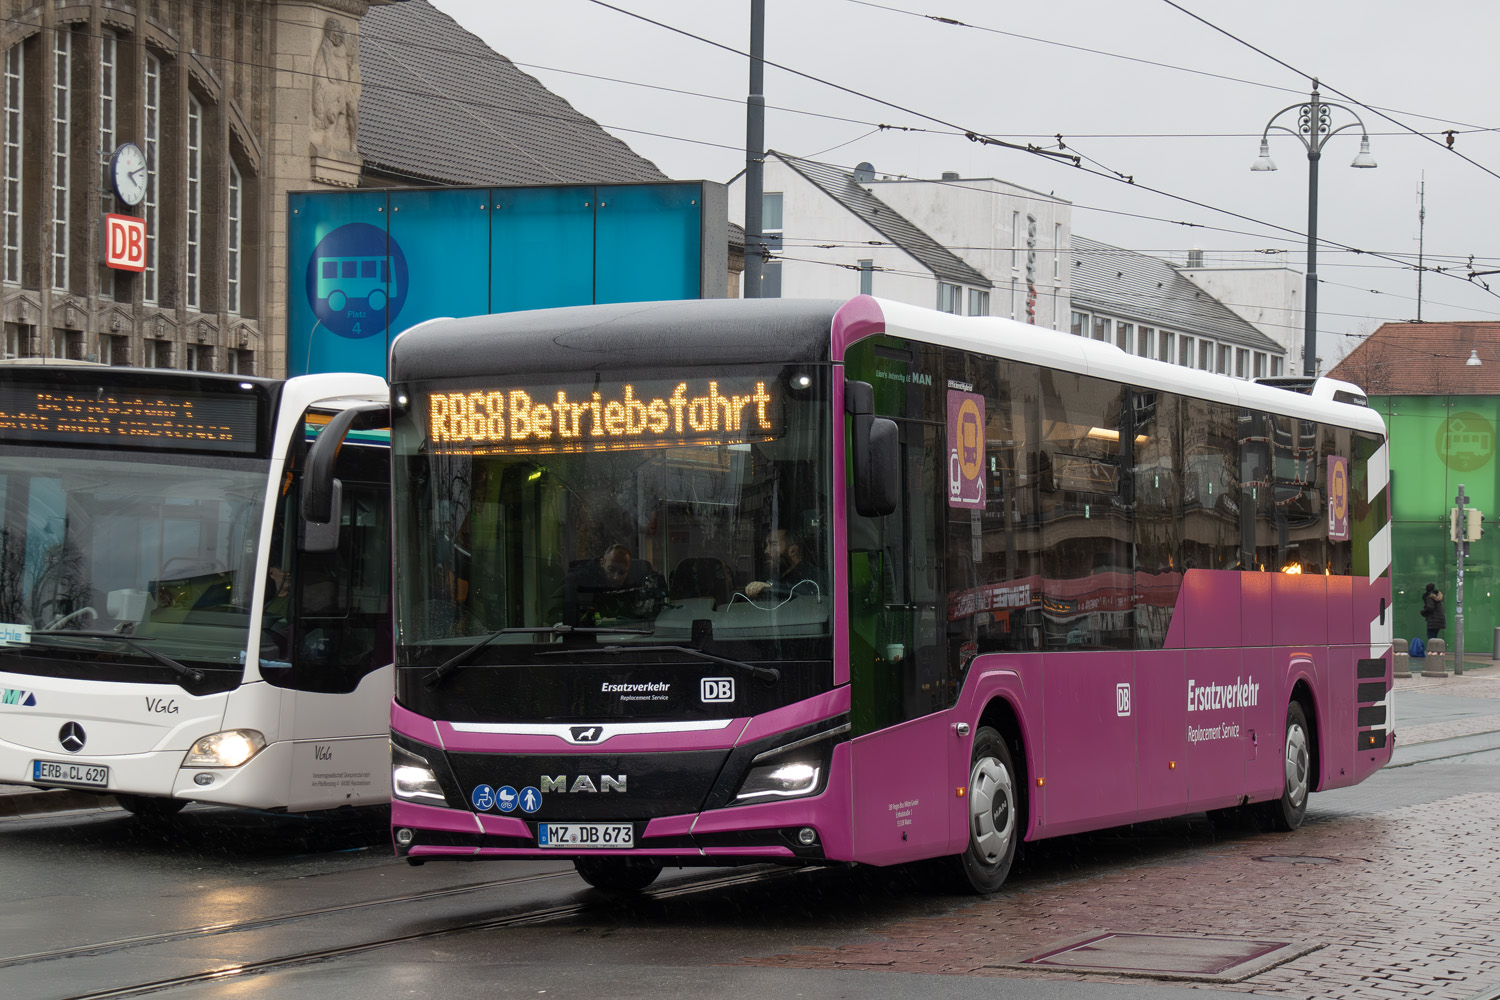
x: 984, y: 247
x: 833, y: 234
x: 1146, y: 306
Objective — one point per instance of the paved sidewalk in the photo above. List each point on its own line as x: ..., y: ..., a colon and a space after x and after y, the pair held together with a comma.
x: 1398, y: 902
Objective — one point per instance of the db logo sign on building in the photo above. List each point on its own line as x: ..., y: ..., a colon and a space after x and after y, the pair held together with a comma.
x: 124, y: 242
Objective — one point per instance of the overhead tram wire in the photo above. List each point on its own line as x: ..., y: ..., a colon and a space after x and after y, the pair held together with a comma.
x: 955, y: 22
x: 1393, y: 257
x: 413, y: 44
x: 1075, y: 160
x: 988, y: 140
x: 1294, y: 325
x: 1318, y: 80
x: 973, y: 136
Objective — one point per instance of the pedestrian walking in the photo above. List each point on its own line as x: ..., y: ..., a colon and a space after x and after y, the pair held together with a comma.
x: 1432, y: 610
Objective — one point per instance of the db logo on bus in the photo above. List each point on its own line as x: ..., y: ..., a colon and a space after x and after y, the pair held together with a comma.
x: 1122, y: 699
x: 356, y: 280
x: 716, y: 689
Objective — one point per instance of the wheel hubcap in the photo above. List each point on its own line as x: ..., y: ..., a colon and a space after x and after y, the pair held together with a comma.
x: 1297, y: 759
x: 992, y: 820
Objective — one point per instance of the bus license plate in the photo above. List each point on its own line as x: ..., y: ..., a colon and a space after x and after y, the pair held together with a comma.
x: 614, y: 835
x: 88, y: 775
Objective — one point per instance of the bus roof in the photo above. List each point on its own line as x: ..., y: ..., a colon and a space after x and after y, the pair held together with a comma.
x: 617, y: 336
x: 644, y: 335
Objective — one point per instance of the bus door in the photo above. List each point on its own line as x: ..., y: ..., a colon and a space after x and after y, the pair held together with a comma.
x: 331, y: 622
x: 898, y: 657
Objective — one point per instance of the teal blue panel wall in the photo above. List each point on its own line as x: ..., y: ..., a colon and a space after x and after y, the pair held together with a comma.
x: 365, y: 265
x: 542, y: 248
x: 455, y: 281
x: 648, y: 243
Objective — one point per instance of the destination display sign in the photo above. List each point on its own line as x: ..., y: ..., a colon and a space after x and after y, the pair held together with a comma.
x: 583, y: 417
x: 106, y: 416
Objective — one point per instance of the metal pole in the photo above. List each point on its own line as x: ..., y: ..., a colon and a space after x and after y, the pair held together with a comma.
x: 1310, y: 302
x: 1458, y: 607
x: 755, y: 153
x: 1421, y: 234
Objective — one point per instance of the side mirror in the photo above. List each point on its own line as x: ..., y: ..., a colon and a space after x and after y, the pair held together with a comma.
x: 322, y: 494
x: 876, y: 444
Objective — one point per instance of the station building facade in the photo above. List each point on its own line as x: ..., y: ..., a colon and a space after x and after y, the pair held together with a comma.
x: 235, y: 104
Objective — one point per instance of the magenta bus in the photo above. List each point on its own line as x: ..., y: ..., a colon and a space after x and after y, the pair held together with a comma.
x: 718, y: 582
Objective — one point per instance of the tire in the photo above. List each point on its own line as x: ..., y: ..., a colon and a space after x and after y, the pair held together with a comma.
x: 617, y: 874
x: 149, y: 807
x: 994, y: 816
x: 1287, y: 812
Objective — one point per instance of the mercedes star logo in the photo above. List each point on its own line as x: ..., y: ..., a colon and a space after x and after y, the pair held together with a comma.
x: 72, y: 737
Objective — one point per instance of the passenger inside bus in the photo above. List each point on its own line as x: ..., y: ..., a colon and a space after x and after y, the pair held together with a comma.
x: 614, y: 586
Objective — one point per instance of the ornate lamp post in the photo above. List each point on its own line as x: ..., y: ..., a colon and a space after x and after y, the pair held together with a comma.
x: 1314, y: 128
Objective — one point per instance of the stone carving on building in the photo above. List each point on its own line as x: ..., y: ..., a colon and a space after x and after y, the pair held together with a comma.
x: 335, y: 92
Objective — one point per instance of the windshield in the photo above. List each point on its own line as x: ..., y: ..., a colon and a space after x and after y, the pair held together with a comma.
x: 160, y: 553
x: 687, y: 507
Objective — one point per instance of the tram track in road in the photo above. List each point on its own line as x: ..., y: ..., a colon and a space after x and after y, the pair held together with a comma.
x: 529, y: 916
x: 236, y: 926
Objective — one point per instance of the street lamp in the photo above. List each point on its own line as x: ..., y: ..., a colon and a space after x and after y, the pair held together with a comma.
x: 1314, y: 127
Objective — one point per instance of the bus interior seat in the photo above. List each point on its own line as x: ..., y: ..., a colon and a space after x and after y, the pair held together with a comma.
x: 701, y: 576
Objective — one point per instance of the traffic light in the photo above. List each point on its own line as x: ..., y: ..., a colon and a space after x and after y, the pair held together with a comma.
x: 1453, y: 524
x: 1474, y: 528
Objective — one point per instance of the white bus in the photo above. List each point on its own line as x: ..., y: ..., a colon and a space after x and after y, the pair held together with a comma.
x: 194, y: 587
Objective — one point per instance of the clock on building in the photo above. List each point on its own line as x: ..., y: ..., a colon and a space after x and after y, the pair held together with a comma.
x: 127, y: 172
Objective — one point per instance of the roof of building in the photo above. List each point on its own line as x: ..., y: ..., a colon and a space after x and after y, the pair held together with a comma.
x: 1145, y: 289
x: 439, y: 105
x: 1425, y: 359
x: 839, y: 184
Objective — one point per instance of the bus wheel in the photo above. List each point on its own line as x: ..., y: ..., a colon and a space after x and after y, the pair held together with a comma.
x: 149, y: 807
x: 337, y: 300
x: 619, y: 874
x: 1287, y: 812
x: 993, y: 815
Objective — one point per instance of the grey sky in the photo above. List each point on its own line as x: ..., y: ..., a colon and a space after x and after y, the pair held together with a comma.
x: 1193, y: 134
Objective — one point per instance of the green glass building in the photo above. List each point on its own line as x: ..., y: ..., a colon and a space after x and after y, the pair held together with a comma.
x: 1437, y: 385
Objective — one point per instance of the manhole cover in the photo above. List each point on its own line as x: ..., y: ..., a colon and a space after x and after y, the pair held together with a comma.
x: 1169, y: 956
x: 1297, y: 859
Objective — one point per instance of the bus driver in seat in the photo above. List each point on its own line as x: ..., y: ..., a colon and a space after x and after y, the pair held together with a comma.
x: 788, y: 563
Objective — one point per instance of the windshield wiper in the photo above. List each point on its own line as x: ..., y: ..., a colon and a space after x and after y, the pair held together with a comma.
x: 432, y: 680
x: 768, y: 674
x: 134, y: 642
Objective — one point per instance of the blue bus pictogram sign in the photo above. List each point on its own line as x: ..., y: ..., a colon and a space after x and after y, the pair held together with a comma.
x: 357, y: 281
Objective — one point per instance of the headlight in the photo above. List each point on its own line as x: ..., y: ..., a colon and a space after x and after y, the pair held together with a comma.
x: 782, y: 780
x: 412, y: 779
x: 230, y: 748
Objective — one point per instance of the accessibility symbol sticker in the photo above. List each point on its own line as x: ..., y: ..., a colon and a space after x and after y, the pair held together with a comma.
x: 506, y: 798
x: 483, y: 798
x: 531, y: 799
